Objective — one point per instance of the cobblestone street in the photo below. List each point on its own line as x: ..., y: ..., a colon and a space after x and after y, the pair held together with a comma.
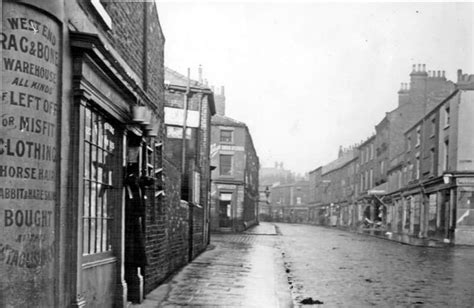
x: 280, y: 265
x: 343, y: 269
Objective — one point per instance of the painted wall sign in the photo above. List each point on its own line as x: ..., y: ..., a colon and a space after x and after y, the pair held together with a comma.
x: 175, y: 116
x: 31, y: 62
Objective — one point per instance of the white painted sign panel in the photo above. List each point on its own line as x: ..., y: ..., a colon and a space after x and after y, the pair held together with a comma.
x: 175, y: 116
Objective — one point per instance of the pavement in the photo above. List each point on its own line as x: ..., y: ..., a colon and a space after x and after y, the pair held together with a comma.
x: 237, y: 270
x: 294, y: 265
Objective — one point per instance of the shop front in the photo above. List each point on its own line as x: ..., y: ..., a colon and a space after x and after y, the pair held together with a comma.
x: 112, y: 179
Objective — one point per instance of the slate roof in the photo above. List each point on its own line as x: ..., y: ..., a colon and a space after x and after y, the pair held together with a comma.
x: 175, y: 78
x: 223, y: 120
x: 338, y: 163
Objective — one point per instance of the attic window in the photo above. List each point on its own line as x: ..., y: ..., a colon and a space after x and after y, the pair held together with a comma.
x: 102, y: 13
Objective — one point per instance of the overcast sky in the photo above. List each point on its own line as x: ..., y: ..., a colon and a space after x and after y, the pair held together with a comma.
x: 307, y: 77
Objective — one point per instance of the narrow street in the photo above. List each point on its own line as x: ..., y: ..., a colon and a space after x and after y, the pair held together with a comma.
x: 281, y: 265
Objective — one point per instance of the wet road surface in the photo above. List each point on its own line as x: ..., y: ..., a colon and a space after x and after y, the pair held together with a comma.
x: 281, y: 265
x: 343, y: 269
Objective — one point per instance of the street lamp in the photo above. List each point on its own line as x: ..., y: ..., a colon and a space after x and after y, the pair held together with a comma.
x: 447, y: 178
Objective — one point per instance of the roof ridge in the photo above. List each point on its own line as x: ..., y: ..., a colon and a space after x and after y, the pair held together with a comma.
x: 185, y: 78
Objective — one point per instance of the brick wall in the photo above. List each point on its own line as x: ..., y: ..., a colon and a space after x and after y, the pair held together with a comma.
x: 167, y: 236
x: 128, y: 32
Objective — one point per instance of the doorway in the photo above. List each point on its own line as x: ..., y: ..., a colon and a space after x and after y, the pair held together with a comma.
x: 225, y: 210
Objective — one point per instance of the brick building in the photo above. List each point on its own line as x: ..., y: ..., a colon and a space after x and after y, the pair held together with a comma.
x: 191, y: 107
x: 431, y: 194
x: 268, y: 177
x: 105, y: 224
x: 413, y: 177
x: 234, y: 189
x: 289, y: 202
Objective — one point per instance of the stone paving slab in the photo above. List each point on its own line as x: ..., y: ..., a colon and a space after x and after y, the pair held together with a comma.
x: 241, y: 270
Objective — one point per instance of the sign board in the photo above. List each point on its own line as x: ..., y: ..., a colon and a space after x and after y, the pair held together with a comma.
x: 175, y: 116
x: 31, y: 70
x: 174, y: 132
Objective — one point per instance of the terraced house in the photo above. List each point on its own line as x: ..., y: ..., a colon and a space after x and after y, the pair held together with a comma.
x: 412, y: 177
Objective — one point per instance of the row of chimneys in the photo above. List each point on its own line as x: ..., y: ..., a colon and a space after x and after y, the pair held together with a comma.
x: 345, y: 150
x: 204, y: 81
x: 422, y: 69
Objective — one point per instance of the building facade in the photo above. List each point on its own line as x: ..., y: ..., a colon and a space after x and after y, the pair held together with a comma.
x: 189, y: 106
x: 413, y: 177
x: 289, y: 202
x: 431, y: 193
x: 91, y: 212
x: 234, y: 189
x: 269, y: 177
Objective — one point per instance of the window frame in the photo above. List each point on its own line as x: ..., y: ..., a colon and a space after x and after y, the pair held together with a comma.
x: 418, y: 136
x: 226, y: 131
x: 231, y: 170
x: 447, y: 116
x: 108, y: 187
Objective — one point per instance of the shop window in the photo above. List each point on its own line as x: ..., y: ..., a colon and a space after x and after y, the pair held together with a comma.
x: 226, y: 136
x: 100, y: 163
x: 225, y: 164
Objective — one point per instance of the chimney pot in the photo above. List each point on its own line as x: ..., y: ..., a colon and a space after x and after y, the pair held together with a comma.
x: 419, y: 67
x: 424, y: 67
x: 443, y: 73
x: 200, y: 73
x: 459, y: 75
x: 439, y: 73
x: 414, y: 67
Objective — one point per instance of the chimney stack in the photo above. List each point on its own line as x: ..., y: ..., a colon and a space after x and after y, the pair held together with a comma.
x: 200, y: 73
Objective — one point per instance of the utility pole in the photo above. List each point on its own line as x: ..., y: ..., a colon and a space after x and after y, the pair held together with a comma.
x: 185, y: 119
